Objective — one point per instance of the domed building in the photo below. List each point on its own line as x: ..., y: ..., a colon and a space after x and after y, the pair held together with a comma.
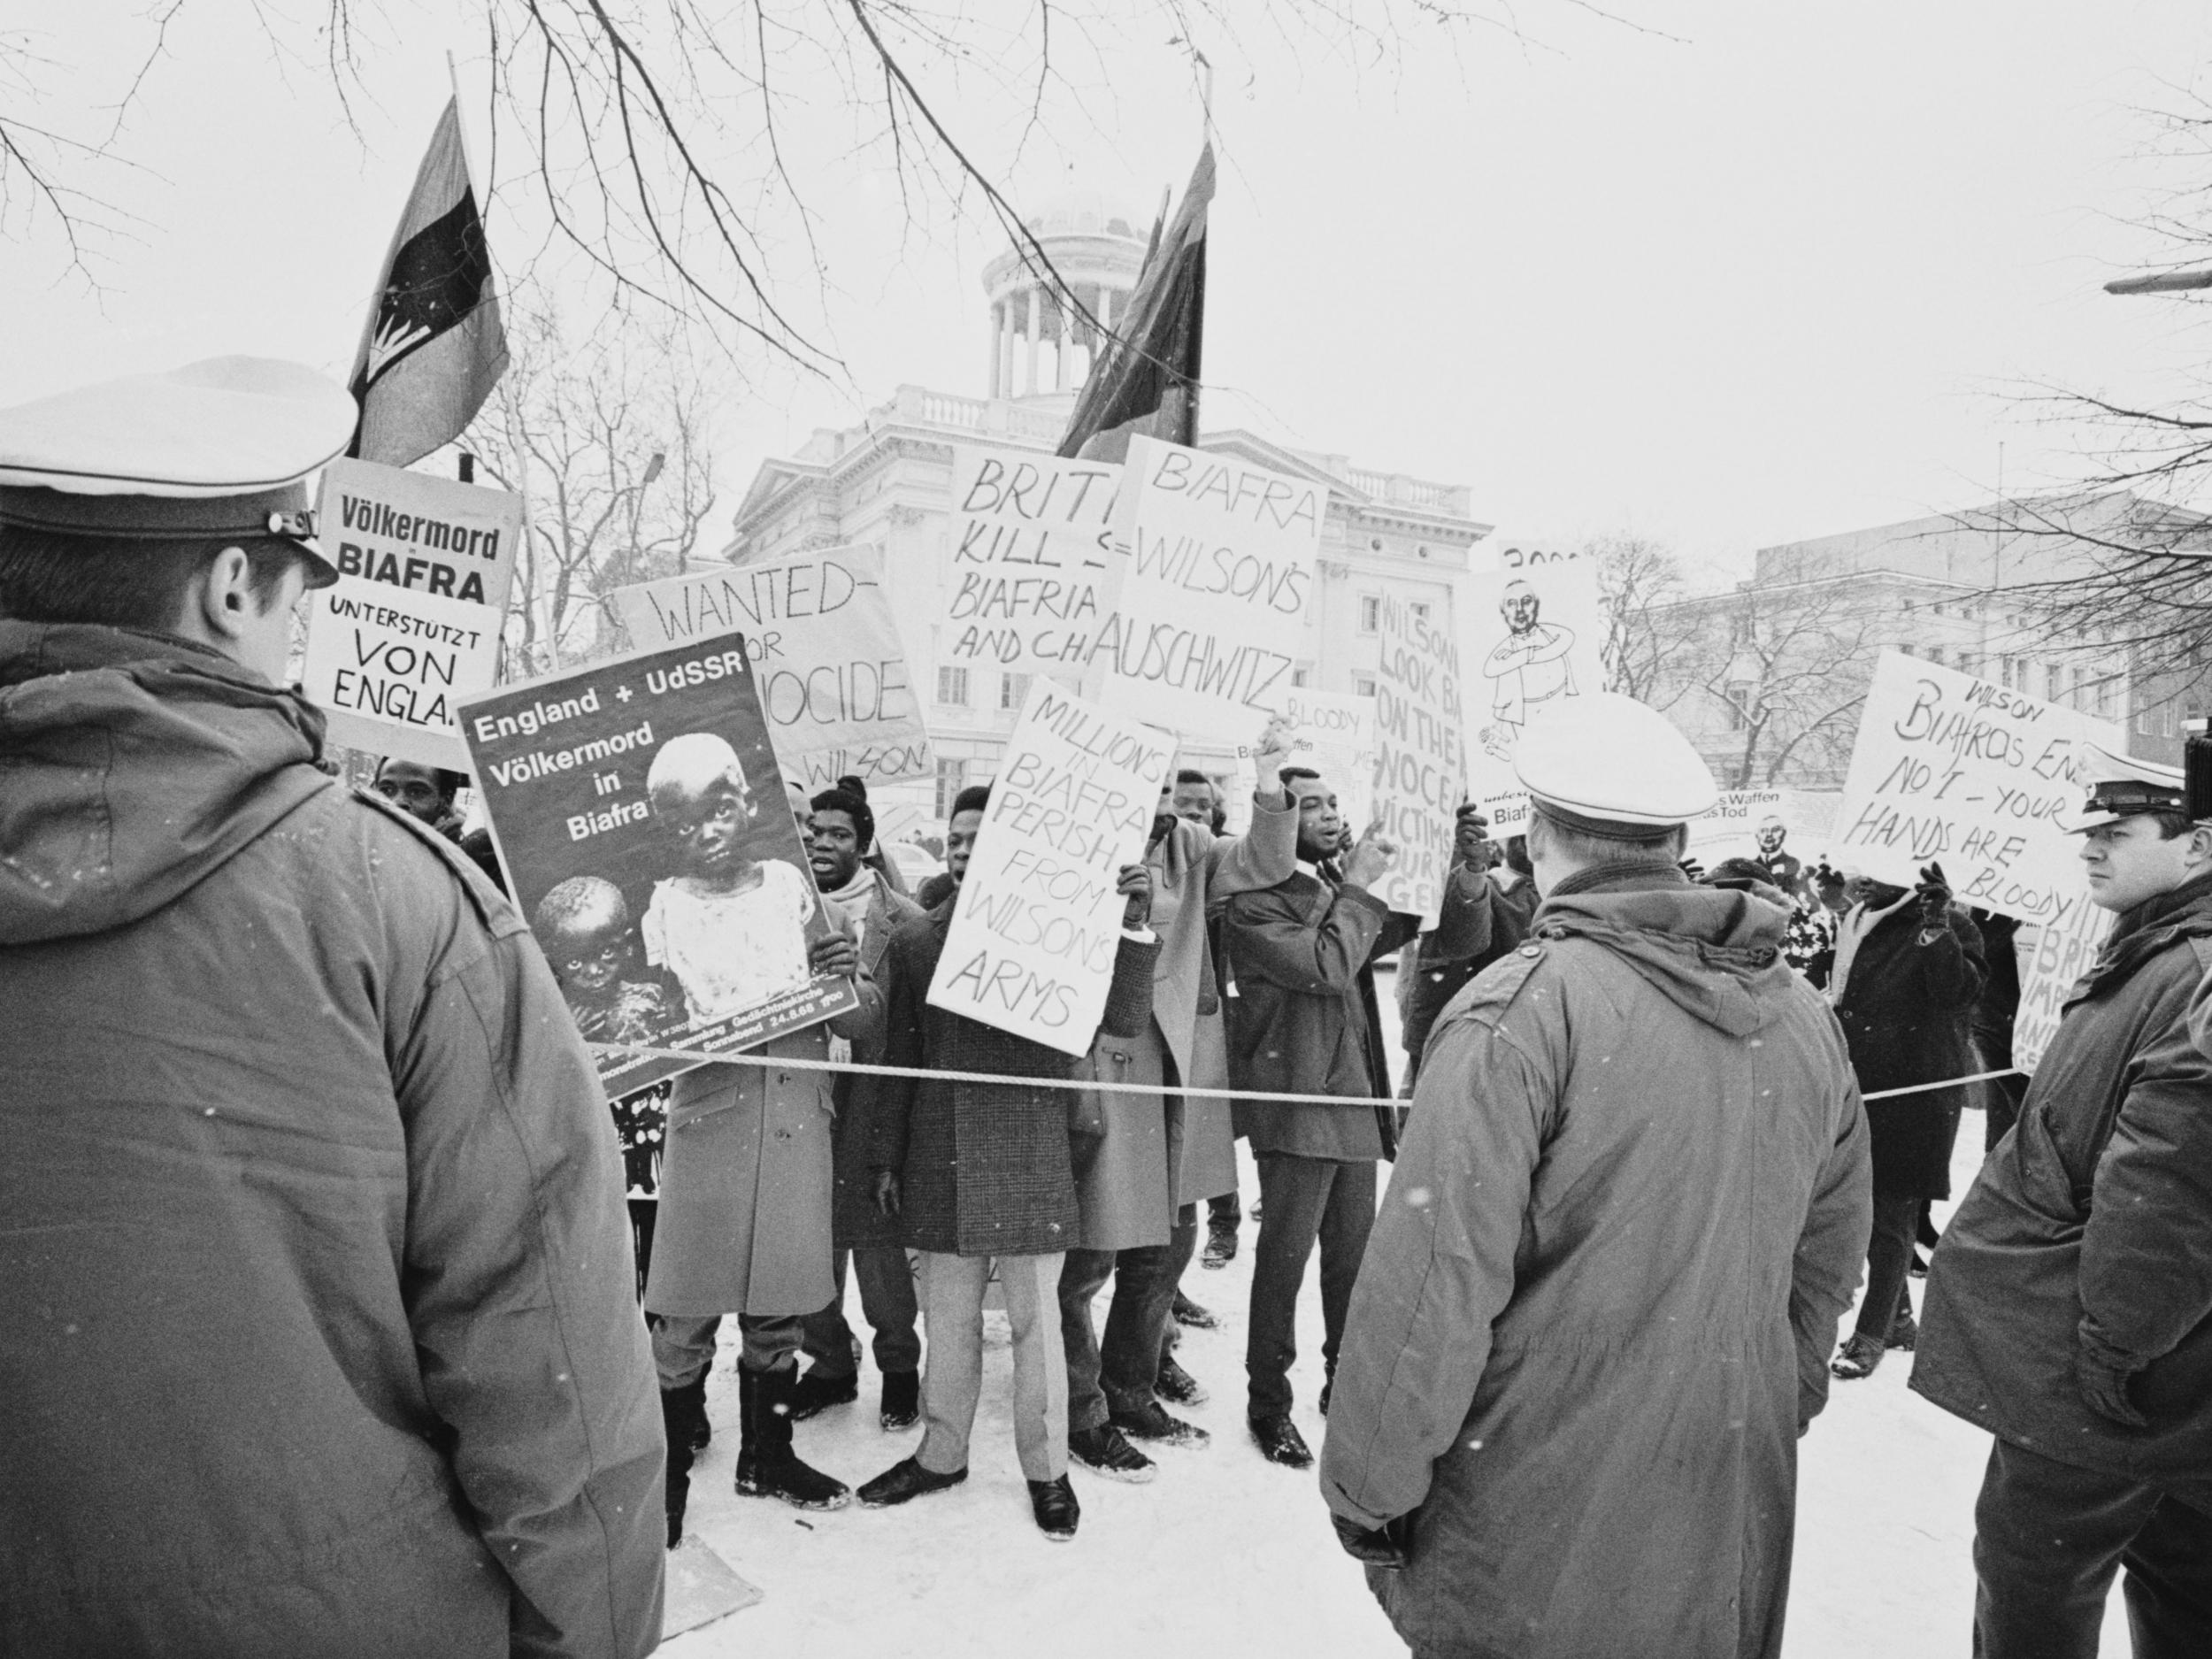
x: 888, y: 481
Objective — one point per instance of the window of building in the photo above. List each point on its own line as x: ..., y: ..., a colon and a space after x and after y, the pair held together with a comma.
x: 1420, y: 608
x: 1013, y: 690
x: 2105, y: 693
x: 952, y: 687
x: 1362, y: 685
x: 2054, y: 683
x: 1935, y: 654
x: 952, y: 777
x: 1302, y: 676
x: 1370, y: 613
x: 1738, y: 694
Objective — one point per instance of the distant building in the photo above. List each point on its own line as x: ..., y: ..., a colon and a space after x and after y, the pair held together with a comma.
x: 1766, y: 678
x: 888, y: 482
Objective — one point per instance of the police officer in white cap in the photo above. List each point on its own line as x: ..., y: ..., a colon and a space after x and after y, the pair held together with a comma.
x: 1596, y: 1307
x: 2068, y: 1308
x: 317, y: 1327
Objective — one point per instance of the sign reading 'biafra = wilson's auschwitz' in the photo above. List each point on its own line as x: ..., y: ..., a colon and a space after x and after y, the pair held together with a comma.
x: 413, y: 623
x: 639, y: 811
x: 1213, y: 566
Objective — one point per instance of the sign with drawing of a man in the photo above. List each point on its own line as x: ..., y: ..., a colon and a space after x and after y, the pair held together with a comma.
x: 1531, y: 666
x: 1531, y: 637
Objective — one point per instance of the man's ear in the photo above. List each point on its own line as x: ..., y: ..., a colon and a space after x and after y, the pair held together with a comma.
x: 225, y: 598
x: 2201, y: 844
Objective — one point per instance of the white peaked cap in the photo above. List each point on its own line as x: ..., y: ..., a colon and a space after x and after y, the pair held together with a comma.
x: 1603, y: 759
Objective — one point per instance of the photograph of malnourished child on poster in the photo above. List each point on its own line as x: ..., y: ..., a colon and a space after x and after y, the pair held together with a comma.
x: 641, y: 815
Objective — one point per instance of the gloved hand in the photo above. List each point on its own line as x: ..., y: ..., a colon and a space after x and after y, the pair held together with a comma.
x: 1934, y: 895
x: 1693, y: 870
x: 2104, y: 1390
x: 886, y: 1186
x: 1384, y: 1548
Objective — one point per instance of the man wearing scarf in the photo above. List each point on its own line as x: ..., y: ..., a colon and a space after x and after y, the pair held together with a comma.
x: 2068, y: 1308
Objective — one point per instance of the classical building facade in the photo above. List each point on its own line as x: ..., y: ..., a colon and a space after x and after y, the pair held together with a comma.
x: 1767, y: 677
x: 887, y: 482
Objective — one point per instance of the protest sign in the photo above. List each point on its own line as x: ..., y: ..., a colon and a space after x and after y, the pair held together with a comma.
x: 2061, y: 953
x: 413, y: 623
x: 1032, y: 945
x: 1733, y: 828
x: 1213, y: 564
x: 637, y: 808
x: 1333, y: 734
x: 1419, y: 766
x: 1031, y: 537
x: 1959, y: 771
x: 1527, y: 637
x: 826, y: 657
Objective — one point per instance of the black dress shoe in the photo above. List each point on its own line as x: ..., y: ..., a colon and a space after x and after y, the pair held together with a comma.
x: 1053, y: 1504
x: 816, y: 1394
x: 1154, y: 1423
x: 1221, y: 1247
x: 902, y: 1398
x: 1173, y: 1382
x: 904, y: 1481
x: 1327, y: 1384
x: 1188, y: 1312
x: 1106, y: 1451
x: 1279, y: 1442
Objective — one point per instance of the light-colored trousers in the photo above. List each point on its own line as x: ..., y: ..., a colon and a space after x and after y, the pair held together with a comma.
x: 952, y: 1375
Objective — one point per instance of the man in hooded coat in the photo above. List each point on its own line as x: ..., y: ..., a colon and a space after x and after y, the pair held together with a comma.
x: 318, y: 1328
x: 1596, y: 1307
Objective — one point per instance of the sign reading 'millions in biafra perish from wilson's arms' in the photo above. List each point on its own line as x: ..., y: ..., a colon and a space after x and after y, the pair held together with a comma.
x: 640, y: 813
x: 413, y: 623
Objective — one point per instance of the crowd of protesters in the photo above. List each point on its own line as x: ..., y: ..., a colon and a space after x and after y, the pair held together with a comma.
x: 318, y: 1332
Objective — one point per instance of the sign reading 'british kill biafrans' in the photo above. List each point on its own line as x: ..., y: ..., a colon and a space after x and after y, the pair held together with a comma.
x: 1032, y: 945
x: 826, y: 656
x: 638, y: 810
x: 1031, y: 538
x: 1213, y: 565
x: 414, y: 622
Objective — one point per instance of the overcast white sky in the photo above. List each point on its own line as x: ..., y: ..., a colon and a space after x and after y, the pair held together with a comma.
x: 1772, y: 278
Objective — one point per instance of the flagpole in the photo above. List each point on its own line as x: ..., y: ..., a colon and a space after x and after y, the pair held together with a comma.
x: 1205, y: 89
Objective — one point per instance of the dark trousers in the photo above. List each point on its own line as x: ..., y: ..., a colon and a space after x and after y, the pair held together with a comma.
x: 2048, y: 1539
x: 1115, y: 1375
x: 1888, y: 1260
x: 887, y: 1298
x: 1303, y: 1200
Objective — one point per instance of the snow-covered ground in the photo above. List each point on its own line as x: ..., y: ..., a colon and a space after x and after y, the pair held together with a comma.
x: 1227, y: 1554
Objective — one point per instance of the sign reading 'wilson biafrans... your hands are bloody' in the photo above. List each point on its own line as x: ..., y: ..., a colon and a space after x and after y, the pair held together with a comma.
x: 1213, y: 564
x: 1032, y: 945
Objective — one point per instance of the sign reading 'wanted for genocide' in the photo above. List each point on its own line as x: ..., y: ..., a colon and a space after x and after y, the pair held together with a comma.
x: 413, y: 623
x: 826, y: 657
x: 638, y: 809
x: 1213, y: 564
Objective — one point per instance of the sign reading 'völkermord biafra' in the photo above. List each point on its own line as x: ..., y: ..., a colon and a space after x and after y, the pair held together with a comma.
x: 412, y: 624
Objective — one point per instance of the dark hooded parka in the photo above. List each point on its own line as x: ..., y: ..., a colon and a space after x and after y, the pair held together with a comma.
x: 2091, y: 1226
x: 1597, y: 1305
x: 318, y: 1321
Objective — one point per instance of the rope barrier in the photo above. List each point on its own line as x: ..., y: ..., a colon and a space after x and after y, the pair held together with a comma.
x: 756, y: 1058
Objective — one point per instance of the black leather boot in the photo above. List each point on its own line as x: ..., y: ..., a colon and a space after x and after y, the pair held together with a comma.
x: 902, y: 1398
x: 683, y: 1411
x: 766, y: 1465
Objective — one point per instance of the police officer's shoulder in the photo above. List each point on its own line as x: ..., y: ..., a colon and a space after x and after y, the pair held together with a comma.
x: 491, y: 909
x: 1497, y: 988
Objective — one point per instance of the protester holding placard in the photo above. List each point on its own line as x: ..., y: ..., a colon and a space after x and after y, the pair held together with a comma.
x: 1909, y: 969
x: 316, y: 1320
x: 1148, y: 1160
x: 1481, y: 920
x: 2070, y: 1304
x: 427, y: 793
x: 1303, y: 1021
x: 844, y: 832
x: 984, y: 1172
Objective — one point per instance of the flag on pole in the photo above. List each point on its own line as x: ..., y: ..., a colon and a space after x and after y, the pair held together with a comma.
x: 434, y: 347
x: 1148, y: 382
